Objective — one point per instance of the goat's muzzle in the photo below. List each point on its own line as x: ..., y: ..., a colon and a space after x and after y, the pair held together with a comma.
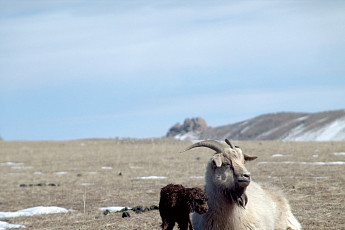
x: 243, y: 180
x: 202, y: 209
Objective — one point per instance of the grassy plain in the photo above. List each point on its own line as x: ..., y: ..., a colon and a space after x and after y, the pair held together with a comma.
x: 102, y: 173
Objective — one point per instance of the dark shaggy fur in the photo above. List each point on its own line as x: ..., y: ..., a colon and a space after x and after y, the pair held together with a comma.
x: 177, y: 202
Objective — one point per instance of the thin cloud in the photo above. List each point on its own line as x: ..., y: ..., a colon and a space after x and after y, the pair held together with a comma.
x: 150, y: 40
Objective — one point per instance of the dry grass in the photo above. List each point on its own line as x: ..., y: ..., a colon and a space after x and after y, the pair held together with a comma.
x: 316, y: 193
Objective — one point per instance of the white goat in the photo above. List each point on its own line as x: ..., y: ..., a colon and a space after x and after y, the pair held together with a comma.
x: 234, y: 201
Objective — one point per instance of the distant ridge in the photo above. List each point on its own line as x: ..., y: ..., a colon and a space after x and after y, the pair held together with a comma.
x: 287, y: 126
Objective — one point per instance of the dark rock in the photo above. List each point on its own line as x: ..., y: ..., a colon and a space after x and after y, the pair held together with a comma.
x: 106, y: 212
x: 154, y: 207
x: 138, y: 209
x: 38, y: 185
x: 125, y: 214
x: 176, y: 129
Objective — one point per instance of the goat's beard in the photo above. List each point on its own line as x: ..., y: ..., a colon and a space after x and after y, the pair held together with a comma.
x: 238, y: 196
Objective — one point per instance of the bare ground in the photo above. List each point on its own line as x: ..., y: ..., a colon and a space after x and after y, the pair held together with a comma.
x: 102, y: 173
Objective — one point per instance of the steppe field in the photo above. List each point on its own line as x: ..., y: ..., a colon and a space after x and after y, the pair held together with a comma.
x: 85, y: 175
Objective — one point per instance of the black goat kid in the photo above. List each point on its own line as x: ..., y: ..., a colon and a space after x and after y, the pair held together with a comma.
x: 176, y: 202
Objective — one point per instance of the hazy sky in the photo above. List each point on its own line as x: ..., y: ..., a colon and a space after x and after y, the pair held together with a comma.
x: 83, y: 69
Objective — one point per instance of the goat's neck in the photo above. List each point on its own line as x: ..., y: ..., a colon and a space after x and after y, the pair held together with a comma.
x: 227, y: 213
x: 217, y: 200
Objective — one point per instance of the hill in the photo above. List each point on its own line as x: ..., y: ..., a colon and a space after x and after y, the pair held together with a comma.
x: 287, y: 126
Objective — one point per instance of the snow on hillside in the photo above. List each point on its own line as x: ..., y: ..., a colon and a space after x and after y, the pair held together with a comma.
x: 187, y: 136
x: 286, y: 126
x: 334, y: 131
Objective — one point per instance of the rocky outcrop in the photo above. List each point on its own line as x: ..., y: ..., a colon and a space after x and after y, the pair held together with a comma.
x: 189, y: 126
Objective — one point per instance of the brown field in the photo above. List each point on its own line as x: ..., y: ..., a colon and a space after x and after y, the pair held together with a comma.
x: 316, y: 192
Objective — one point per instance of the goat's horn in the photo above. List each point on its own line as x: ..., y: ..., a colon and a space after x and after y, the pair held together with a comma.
x: 229, y: 143
x: 215, y: 145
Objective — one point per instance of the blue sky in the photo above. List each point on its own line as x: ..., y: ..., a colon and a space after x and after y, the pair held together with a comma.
x: 84, y: 69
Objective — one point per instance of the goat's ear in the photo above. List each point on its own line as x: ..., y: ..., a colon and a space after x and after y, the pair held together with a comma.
x: 249, y: 158
x: 218, y: 159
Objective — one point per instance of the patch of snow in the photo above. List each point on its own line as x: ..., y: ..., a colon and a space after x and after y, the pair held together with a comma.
x: 60, y: 173
x: 187, y: 136
x: 245, y: 122
x: 302, y: 118
x: 281, y: 155
x: 315, y: 156
x: 107, y: 168
x: 87, y: 184
x: 150, y: 178
x: 21, y: 167
x: 33, y: 211
x: 321, y: 120
x: 136, y: 167
x: 11, y: 164
x: 15, y: 174
x: 38, y: 173
x: 305, y: 162
x: 114, y: 208
x: 5, y: 225
x: 196, y: 177
x: 339, y: 154
x: 244, y: 130
x: 198, y: 140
